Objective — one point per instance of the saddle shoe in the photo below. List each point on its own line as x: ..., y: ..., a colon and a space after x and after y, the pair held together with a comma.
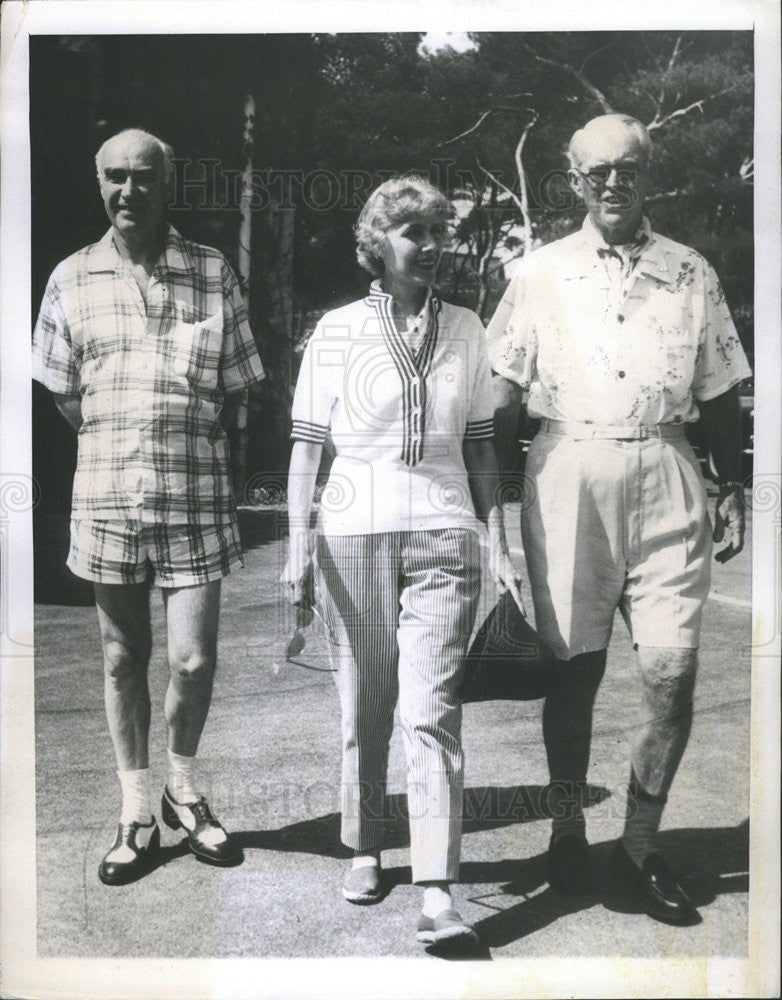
x: 206, y: 837
x: 131, y: 853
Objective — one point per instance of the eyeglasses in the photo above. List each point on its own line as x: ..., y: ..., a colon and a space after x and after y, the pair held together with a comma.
x: 626, y: 176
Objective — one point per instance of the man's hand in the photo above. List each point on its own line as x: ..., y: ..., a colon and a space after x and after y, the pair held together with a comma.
x: 729, y: 521
x: 70, y: 408
x: 503, y: 572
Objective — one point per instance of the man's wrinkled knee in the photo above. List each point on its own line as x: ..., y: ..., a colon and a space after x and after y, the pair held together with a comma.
x: 122, y: 661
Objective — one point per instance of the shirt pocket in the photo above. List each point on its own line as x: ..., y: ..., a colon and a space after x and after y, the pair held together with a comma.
x: 197, y: 352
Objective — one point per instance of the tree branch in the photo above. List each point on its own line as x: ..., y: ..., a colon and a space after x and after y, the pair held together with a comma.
x: 524, y: 198
x: 577, y: 74
x: 667, y: 74
x: 658, y: 122
x: 481, y: 120
x: 469, y: 131
x: 498, y: 182
x: 595, y: 53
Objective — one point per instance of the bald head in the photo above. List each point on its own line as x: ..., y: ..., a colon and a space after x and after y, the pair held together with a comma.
x: 609, y: 131
x: 137, y: 139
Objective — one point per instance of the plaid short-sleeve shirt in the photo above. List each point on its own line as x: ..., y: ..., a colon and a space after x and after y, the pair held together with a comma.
x: 152, y: 378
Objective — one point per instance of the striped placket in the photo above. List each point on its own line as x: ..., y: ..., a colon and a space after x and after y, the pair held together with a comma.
x: 413, y: 368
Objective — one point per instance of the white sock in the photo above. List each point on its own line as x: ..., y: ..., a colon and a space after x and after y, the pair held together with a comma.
x: 136, y: 807
x: 436, y: 899
x: 366, y: 860
x: 181, y: 777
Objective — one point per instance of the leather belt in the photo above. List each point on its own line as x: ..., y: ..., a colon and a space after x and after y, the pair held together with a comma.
x: 581, y: 431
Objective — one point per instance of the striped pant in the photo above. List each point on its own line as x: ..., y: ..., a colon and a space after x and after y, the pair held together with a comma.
x: 401, y: 607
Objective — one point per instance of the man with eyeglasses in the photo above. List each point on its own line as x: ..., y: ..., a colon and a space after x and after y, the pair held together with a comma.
x: 144, y: 341
x: 621, y: 337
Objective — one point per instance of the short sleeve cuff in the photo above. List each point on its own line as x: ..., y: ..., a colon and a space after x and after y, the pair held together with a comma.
x: 712, y: 392
x: 304, y: 430
x: 511, y: 376
x: 54, y: 380
x: 240, y: 378
x: 479, y: 430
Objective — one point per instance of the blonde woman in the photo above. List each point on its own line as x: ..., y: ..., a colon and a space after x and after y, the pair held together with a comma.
x: 401, y: 381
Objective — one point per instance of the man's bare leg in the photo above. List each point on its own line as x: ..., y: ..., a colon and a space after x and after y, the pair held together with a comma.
x: 123, y: 617
x: 668, y: 677
x: 668, y: 682
x: 192, y: 615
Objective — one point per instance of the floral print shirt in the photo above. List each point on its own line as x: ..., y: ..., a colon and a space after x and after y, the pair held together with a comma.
x: 592, y: 342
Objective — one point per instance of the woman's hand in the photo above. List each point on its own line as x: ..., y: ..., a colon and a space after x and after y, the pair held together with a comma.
x: 298, y: 578
x: 503, y: 572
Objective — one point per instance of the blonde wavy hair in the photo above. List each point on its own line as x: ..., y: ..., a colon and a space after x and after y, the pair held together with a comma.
x: 396, y: 200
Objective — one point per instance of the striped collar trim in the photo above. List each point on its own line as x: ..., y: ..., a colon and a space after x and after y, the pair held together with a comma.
x: 413, y: 369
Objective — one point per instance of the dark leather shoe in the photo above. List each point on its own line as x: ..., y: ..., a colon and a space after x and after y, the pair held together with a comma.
x: 568, y: 866
x: 131, y: 853
x: 206, y: 837
x: 654, y: 887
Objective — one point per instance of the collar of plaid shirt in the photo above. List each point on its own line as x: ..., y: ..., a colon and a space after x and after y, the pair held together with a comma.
x: 175, y: 256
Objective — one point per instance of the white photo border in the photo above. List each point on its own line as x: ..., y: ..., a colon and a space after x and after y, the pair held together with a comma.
x: 26, y: 975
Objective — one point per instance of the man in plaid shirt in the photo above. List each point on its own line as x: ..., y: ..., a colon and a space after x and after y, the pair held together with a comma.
x: 143, y: 339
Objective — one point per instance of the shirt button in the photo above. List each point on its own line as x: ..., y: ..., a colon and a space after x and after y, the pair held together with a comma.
x: 620, y: 318
x: 621, y: 374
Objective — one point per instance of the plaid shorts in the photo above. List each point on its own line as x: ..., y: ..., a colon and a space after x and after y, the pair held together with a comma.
x: 169, y: 555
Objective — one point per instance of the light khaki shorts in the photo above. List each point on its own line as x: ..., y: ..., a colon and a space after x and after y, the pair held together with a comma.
x: 616, y: 524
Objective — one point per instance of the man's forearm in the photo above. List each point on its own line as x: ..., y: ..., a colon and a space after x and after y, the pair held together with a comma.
x: 230, y: 409
x: 507, y: 408
x: 721, y: 418
x: 481, y: 468
x: 70, y: 408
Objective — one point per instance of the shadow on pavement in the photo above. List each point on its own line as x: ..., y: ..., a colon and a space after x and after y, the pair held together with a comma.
x: 486, y: 807
x: 709, y: 863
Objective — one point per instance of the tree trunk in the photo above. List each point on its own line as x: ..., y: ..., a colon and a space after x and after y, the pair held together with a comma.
x: 245, y: 273
x: 270, y: 403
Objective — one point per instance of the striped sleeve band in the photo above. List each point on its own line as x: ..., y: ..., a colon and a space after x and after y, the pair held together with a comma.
x: 479, y: 430
x: 304, y: 430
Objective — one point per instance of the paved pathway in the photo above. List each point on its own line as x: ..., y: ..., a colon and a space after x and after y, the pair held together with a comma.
x: 270, y: 758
